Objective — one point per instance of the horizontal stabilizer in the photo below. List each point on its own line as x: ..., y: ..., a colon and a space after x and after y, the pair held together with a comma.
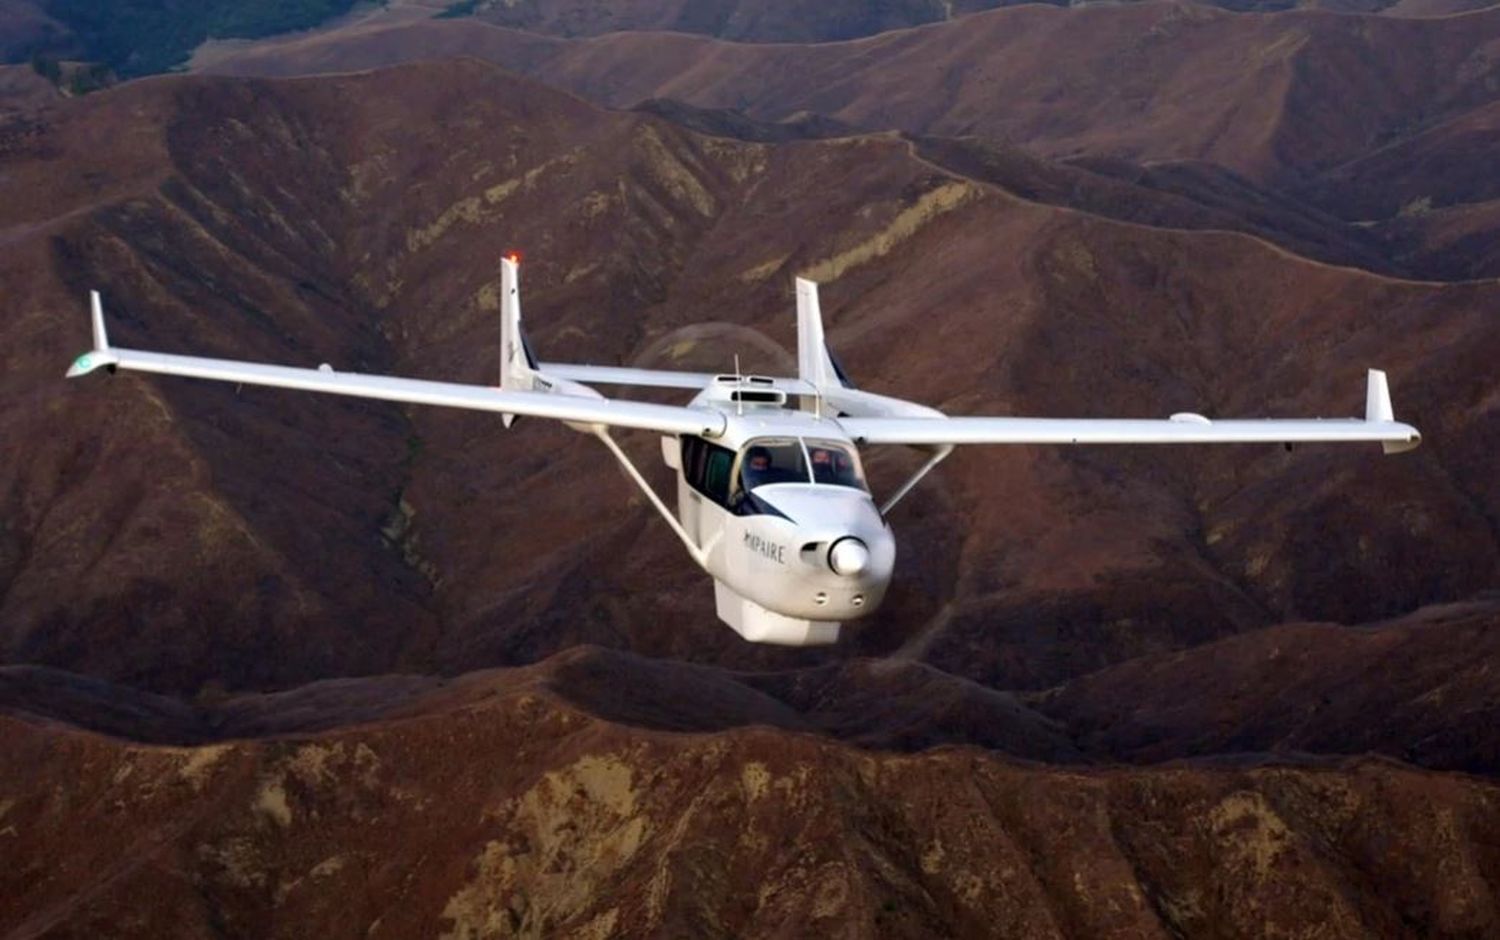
x: 654, y: 378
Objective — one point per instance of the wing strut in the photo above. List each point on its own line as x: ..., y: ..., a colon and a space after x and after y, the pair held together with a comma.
x: 938, y: 454
x: 699, y: 555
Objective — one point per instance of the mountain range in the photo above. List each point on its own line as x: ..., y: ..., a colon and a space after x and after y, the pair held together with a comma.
x: 279, y: 664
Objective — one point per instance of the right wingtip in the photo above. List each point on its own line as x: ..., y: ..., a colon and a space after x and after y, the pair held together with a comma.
x: 1378, y: 408
x: 1412, y: 442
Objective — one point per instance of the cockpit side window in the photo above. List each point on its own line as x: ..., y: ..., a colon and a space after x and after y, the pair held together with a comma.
x: 835, y: 463
x: 772, y: 460
x: 708, y: 468
x: 717, y: 474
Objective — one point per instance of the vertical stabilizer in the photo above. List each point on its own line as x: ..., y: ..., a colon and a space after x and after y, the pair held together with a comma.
x: 519, y: 369
x: 1378, y: 409
x: 1378, y: 398
x: 815, y: 363
x: 96, y: 317
x: 101, y: 355
x: 517, y: 364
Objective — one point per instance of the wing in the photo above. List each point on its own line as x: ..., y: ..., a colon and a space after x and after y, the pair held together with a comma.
x: 878, y: 419
x: 575, y: 409
x: 1377, y: 426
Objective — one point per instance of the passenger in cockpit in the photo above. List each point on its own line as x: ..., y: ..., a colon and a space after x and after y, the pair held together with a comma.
x: 822, y: 464
x: 843, y: 469
x: 832, y: 465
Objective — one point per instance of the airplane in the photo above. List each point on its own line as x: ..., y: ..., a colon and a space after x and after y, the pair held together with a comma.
x: 772, y: 500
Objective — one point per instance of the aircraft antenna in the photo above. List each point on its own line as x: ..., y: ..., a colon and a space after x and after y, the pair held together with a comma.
x: 739, y: 384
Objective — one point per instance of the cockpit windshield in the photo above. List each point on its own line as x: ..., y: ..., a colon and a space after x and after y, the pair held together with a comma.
x: 834, y: 463
x: 773, y: 460
x: 792, y: 460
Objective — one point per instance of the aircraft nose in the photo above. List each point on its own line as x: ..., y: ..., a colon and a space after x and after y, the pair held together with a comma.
x: 849, y: 556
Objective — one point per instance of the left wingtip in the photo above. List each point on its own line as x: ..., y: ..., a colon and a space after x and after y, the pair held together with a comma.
x: 101, y: 354
x: 89, y: 361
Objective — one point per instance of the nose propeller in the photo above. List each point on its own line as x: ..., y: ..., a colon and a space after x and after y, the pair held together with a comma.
x: 849, y: 556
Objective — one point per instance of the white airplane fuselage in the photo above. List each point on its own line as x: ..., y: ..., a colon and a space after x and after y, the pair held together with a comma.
x: 795, y: 549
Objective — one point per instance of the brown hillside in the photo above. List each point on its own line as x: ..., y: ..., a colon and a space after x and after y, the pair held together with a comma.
x: 1422, y: 689
x: 1320, y: 132
x: 1273, y: 97
x: 173, y: 534
x: 882, y: 704
x: 1436, y: 169
x: 508, y: 812
x: 25, y: 28
x: 760, y: 21
x: 274, y: 664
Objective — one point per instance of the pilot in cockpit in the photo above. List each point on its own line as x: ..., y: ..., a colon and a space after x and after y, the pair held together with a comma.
x: 757, y: 467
